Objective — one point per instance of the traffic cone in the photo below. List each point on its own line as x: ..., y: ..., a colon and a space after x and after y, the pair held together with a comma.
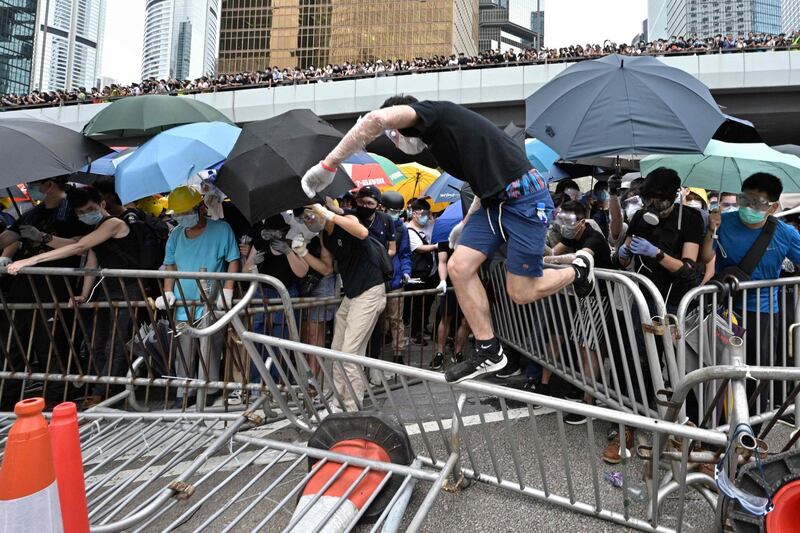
x: 69, y: 468
x: 28, y: 489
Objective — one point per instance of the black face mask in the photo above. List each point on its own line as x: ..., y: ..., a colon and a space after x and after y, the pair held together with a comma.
x: 364, y: 213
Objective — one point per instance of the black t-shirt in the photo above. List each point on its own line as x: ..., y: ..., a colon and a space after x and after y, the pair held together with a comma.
x: 670, y: 240
x: 594, y: 241
x: 273, y: 265
x: 353, y: 263
x: 59, y: 221
x: 469, y: 147
x: 119, y: 253
x: 382, y: 228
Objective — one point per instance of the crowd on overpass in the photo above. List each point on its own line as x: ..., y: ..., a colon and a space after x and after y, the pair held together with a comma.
x: 274, y: 76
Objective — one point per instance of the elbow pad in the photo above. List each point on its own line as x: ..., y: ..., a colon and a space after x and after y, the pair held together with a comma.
x: 691, y: 272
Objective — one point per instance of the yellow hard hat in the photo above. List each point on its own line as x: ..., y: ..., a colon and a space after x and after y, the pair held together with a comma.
x: 5, y: 202
x: 151, y: 205
x: 701, y: 193
x: 184, y: 199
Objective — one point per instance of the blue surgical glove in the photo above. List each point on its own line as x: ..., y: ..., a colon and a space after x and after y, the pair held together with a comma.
x: 624, y: 252
x: 640, y: 246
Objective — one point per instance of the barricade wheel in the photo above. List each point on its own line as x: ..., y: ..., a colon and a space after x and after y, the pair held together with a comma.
x: 377, y: 428
x: 782, y: 481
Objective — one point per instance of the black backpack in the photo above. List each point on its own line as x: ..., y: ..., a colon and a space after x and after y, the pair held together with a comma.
x: 421, y: 263
x: 380, y: 257
x: 151, y: 236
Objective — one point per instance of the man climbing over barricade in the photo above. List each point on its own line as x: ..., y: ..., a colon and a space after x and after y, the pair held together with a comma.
x: 512, y: 205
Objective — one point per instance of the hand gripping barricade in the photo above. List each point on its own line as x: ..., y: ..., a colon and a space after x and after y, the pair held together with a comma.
x: 197, y: 468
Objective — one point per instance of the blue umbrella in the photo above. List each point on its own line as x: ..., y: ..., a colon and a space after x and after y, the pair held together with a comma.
x: 107, y: 165
x: 445, y: 223
x: 170, y: 158
x: 446, y: 188
x: 541, y: 156
x: 360, y: 158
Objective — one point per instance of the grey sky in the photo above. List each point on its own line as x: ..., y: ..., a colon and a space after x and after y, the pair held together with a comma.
x: 566, y: 22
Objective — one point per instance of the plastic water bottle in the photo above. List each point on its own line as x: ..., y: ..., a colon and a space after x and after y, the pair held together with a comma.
x: 541, y: 213
x: 637, y: 493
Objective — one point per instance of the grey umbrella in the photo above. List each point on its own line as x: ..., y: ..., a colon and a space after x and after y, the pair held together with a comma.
x: 622, y: 105
x: 791, y: 149
x: 34, y: 149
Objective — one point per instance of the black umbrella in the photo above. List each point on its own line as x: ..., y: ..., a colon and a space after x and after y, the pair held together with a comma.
x: 737, y: 130
x: 623, y: 105
x: 263, y: 171
x: 34, y: 149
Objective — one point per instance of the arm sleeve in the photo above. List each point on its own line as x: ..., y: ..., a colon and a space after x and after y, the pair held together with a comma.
x: 231, y: 249
x: 391, y: 235
x: 405, y: 255
x: 169, y: 252
x: 793, y: 253
x: 414, y: 241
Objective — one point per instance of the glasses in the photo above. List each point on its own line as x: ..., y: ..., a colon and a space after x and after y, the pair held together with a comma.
x: 308, y: 216
x: 568, y: 219
x: 753, y: 201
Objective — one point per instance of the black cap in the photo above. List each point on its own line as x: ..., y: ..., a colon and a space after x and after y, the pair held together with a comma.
x: 663, y: 182
x: 369, y: 191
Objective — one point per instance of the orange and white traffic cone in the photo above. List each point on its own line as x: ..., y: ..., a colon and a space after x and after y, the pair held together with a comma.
x: 330, y: 499
x: 28, y: 489
x: 68, y: 463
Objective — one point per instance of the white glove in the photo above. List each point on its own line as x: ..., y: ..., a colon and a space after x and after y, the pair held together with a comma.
x: 169, y: 296
x: 225, y: 299
x: 5, y: 261
x: 258, y: 258
x: 455, y: 235
x: 299, y: 245
x: 30, y: 233
x: 279, y: 247
x: 322, y: 212
x: 442, y: 287
x: 316, y: 179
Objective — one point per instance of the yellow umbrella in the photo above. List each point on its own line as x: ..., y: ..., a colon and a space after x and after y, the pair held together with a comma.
x: 417, y: 179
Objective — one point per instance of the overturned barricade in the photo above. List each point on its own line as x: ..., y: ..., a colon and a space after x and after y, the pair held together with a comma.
x: 199, y: 467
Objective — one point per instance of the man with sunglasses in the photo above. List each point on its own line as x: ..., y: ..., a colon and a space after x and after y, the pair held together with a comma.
x: 736, y: 233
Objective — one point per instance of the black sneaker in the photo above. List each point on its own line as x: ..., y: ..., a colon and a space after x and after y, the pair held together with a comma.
x: 574, y: 419
x: 511, y: 369
x: 583, y: 264
x: 457, y: 357
x: 438, y: 361
x: 480, y: 363
x: 543, y: 389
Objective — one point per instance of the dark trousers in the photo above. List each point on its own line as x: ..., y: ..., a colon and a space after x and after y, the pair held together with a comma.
x: 420, y: 308
x: 761, y: 345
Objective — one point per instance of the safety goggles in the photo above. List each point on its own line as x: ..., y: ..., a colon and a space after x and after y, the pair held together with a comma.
x: 754, y: 201
x: 569, y: 220
x: 633, y: 200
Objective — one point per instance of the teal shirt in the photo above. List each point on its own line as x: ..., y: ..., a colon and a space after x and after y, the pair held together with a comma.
x: 211, y: 251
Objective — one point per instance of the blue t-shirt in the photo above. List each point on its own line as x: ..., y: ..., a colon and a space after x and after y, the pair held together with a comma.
x: 212, y: 250
x: 736, y: 239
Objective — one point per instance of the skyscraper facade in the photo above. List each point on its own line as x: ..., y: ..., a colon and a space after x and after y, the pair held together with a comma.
x: 69, y: 42
x: 506, y: 24
x: 17, y: 30
x: 180, y: 39
x: 790, y: 15
x: 255, y: 35
x: 706, y: 18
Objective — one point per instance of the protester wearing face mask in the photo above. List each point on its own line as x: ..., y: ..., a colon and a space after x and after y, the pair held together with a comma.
x: 197, y: 244
x: 728, y: 202
x: 577, y: 234
x: 50, y: 224
x: 507, y: 190
x: 697, y: 198
x: 600, y: 214
x: 111, y: 244
x: 393, y: 204
x: 737, y: 233
x: 423, y: 261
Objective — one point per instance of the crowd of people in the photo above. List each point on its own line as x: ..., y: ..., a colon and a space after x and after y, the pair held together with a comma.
x: 367, y: 247
x: 274, y: 76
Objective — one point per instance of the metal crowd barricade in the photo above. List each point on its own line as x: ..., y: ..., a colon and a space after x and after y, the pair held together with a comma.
x: 604, y: 345
x: 770, y: 335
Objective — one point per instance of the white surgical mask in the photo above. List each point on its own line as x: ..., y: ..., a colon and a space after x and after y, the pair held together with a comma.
x: 694, y: 203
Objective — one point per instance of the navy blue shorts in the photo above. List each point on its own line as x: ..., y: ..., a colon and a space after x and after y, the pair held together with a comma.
x: 524, y: 232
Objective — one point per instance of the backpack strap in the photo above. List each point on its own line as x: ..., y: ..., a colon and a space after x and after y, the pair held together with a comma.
x: 750, y: 261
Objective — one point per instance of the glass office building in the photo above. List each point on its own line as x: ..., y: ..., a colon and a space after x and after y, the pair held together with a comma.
x: 257, y: 34
x: 180, y: 39
x: 706, y: 18
x: 790, y: 15
x: 17, y: 29
x: 508, y: 24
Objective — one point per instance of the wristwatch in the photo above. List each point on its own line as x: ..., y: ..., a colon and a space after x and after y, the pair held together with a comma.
x: 660, y: 256
x: 47, y: 237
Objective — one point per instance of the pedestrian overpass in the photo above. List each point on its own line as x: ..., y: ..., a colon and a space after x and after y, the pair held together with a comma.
x: 758, y: 86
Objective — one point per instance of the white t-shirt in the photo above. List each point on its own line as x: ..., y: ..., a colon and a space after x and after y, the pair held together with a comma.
x: 414, y: 242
